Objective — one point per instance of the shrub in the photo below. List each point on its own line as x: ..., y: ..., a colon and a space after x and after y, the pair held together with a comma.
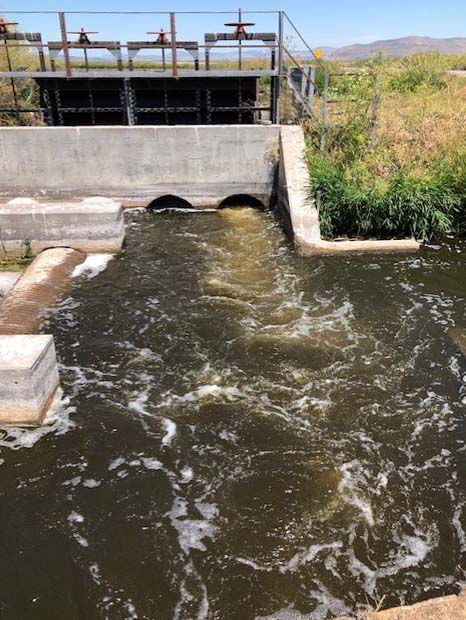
x: 427, y: 70
x: 353, y: 202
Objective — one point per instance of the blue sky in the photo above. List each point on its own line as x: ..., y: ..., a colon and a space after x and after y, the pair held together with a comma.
x: 328, y: 22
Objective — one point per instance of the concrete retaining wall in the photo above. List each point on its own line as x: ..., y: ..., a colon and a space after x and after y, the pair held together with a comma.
x: 203, y: 164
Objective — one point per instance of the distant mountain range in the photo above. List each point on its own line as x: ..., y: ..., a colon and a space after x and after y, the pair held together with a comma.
x: 405, y: 46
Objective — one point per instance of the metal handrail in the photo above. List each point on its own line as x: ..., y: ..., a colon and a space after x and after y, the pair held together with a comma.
x: 320, y: 63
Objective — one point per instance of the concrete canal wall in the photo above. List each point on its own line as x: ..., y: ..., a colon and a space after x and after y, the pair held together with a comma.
x: 202, y: 164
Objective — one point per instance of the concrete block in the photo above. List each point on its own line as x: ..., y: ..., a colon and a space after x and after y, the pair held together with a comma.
x: 28, y: 378
x: 95, y: 224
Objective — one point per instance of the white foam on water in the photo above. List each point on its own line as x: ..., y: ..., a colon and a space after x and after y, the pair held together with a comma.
x: 118, y: 462
x: 92, y: 265
x: 130, y: 610
x: 208, y: 511
x: 57, y: 422
x: 138, y: 404
x: 288, y: 613
x: 299, y: 559
x: 410, y: 552
x: 151, y: 463
x: 461, y: 534
x: 328, y: 604
x: 81, y: 540
x: 205, y: 392
x: 170, y: 431
x: 191, y: 532
x: 187, y: 475
x: 91, y: 483
x: 75, y: 517
x: 255, y: 565
x: 352, y: 485
x: 95, y: 573
x: 181, y: 210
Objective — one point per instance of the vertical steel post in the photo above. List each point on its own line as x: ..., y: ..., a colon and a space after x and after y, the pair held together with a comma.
x: 280, y: 42
x: 41, y: 55
x: 64, y: 40
x: 240, y: 58
x: 276, y: 84
x: 323, y: 136
x: 311, y: 87
x: 173, y: 35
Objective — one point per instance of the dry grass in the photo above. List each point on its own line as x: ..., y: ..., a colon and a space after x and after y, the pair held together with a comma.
x: 415, y: 128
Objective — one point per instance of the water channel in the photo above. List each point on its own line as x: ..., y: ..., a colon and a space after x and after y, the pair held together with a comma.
x: 245, y: 434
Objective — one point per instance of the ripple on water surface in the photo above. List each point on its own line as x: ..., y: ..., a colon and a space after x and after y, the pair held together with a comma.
x: 249, y: 434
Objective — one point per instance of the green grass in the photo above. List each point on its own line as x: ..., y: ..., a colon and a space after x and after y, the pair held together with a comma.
x: 354, y: 203
x: 14, y: 264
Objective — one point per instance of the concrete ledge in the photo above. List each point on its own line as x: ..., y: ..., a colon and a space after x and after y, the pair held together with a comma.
x: 39, y: 286
x: 28, y: 378
x: 360, y: 247
x: 302, y: 214
x: 95, y: 224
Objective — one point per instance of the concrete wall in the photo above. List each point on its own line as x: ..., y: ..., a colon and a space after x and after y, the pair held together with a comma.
x: 299, y: 213
x: 203, y: 164
x: 95, y: 224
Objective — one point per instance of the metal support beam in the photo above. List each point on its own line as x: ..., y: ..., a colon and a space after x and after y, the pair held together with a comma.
x: 173, y: 36
x: 281, y: 58
x: 66, y: 49
x: 129, y: 102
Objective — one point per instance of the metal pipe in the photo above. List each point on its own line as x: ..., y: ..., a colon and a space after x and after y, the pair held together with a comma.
x: 139, y: 12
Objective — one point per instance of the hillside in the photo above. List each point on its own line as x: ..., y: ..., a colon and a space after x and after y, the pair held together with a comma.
x: 404, y: 46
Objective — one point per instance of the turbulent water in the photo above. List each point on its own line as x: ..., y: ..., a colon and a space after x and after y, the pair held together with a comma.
x: 244, y: 434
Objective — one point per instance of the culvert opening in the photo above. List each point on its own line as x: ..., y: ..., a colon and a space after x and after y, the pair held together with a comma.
x: 169, y: 202
x: 241, y: 200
